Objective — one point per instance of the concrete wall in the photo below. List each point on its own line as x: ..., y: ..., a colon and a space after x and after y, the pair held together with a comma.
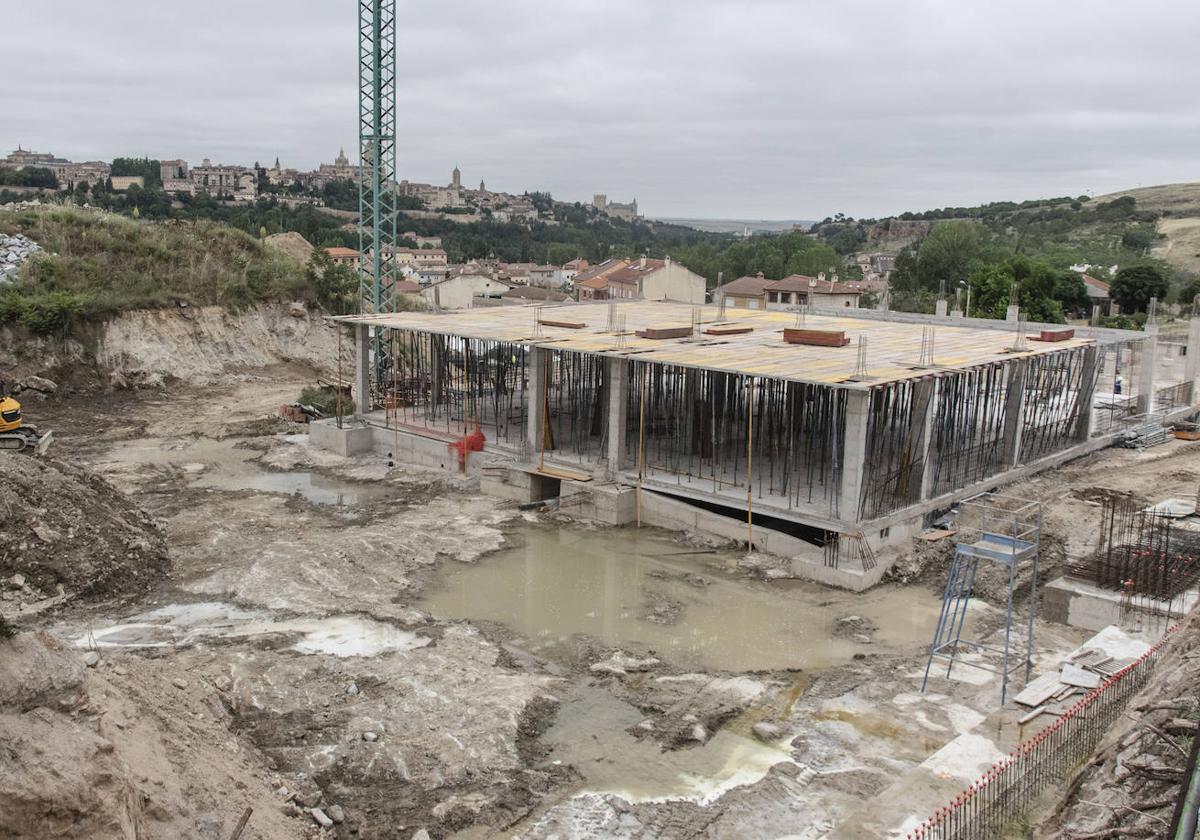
x: 673, y: 282
x: 460, y: 292
x: 1081, y: 604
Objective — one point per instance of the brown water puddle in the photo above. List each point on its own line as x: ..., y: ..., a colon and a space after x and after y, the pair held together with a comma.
x: 635, y: 588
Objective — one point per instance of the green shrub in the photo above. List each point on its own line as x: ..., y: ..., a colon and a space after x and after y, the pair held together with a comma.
x: 51, y: 313
x: 324, y: 400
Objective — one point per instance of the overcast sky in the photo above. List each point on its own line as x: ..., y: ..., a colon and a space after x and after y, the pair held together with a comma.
x: 743, y: 109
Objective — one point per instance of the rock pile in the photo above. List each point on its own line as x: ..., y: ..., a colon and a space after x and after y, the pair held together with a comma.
x: 14, y: 251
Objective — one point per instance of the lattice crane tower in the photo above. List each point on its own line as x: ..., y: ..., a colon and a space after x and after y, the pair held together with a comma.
x: 377, y: 157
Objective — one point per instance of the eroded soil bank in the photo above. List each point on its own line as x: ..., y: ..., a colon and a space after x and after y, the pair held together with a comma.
x: 387, y: 645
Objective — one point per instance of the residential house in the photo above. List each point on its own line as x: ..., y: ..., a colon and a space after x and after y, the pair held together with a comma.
x: 798, y: 290
x: 92, y: 172
x: 460, y: 291
x: 744, y: 292
x: 344, y: 256
x: 642, y: 279
x: 408, y: 289
x: 545, y: 276
x: 759, y: 292
x: 1099, y: 293
x: 567, y: 274
x: 592, y: 283
x: 120, y: 183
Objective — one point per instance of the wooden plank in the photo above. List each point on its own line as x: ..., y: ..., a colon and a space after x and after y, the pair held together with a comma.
x: 728, y: 330
x: 815, y: 338
x: 1054, y: 335
x: 566, y: 325
x: 557, y: 472
x: 1039, y: 691
x: 659, y: 333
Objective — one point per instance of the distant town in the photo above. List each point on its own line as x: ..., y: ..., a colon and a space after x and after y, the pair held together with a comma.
x: 248, y: 183
x: 865, y: 253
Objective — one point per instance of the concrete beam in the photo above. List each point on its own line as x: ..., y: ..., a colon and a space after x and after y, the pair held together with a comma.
x: 1014, y: 412
x: 535, y: 425
x: 362, y: 370
x: 618, y: 405
x: 854, y: 454
x: 1147, y: 355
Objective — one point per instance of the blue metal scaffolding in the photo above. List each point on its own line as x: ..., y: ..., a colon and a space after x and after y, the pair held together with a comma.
x: 991, y: 529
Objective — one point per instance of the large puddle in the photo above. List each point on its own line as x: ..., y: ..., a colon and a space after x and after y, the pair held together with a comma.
x: 222, y: 465
x: 590, y: 734
x: 630, y: 587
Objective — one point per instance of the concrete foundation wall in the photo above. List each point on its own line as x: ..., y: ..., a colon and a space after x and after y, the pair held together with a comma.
x: 1081, y: 604
x: 807, y: 560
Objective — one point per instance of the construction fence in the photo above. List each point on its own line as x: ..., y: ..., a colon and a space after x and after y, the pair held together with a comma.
x: 1001, y: 795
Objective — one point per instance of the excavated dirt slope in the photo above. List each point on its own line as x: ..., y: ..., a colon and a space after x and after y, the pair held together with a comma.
x: 197, y: 345
x: 1129, y: 787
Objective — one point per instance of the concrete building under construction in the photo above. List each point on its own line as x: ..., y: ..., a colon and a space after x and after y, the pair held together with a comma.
x: 816, y: 436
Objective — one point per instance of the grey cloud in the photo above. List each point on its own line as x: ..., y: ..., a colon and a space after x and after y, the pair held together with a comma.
x: 759, y: 108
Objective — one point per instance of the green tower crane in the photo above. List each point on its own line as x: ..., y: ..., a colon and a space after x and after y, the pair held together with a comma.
x: 377, y: 164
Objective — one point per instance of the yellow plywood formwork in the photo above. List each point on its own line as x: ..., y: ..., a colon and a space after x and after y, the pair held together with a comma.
x: 893, y: 347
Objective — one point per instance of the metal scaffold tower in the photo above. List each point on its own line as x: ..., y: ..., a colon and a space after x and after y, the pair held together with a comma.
x: 377, y: 159
x: 999, y: 530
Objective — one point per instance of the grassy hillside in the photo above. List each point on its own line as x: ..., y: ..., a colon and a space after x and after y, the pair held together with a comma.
x: 98, y: 263
x: 1178, y: 224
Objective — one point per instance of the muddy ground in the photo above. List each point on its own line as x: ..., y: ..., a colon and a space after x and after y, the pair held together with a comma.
x: 289, y: 659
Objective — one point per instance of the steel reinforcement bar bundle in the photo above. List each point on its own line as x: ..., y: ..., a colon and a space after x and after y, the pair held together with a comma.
x: 1002, y: 794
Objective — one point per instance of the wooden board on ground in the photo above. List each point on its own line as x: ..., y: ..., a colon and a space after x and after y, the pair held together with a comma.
x: 559, y: 472
x: 1040, y: 690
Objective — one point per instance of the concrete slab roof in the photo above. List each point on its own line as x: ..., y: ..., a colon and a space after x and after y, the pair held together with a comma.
x: 893, y: 347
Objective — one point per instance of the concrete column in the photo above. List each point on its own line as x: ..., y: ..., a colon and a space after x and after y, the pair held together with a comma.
x: 1014, y: 411
x: 1147, y: 354
x: 618, y: 404
x: 939, y: 308
x: 924, y: 408
x: 536, y: 401
x: 362, y: 369
x: 854, y: 455
x: 1191, y: 362
x: 1087, y: 393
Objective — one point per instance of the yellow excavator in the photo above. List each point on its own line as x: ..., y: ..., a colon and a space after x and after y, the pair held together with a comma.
x: 15, y: 435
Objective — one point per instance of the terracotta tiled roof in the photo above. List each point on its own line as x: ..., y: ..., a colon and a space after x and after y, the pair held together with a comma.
x: 534, y: 293
x: 747, y: 286
x: 1098, y: 286
x: 602, y: 270
x: 338, y: 251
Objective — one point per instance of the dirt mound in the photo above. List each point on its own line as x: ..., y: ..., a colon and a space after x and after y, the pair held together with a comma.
x: 292, y: 244
x: 120, y: 751
x: 63, y: 526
